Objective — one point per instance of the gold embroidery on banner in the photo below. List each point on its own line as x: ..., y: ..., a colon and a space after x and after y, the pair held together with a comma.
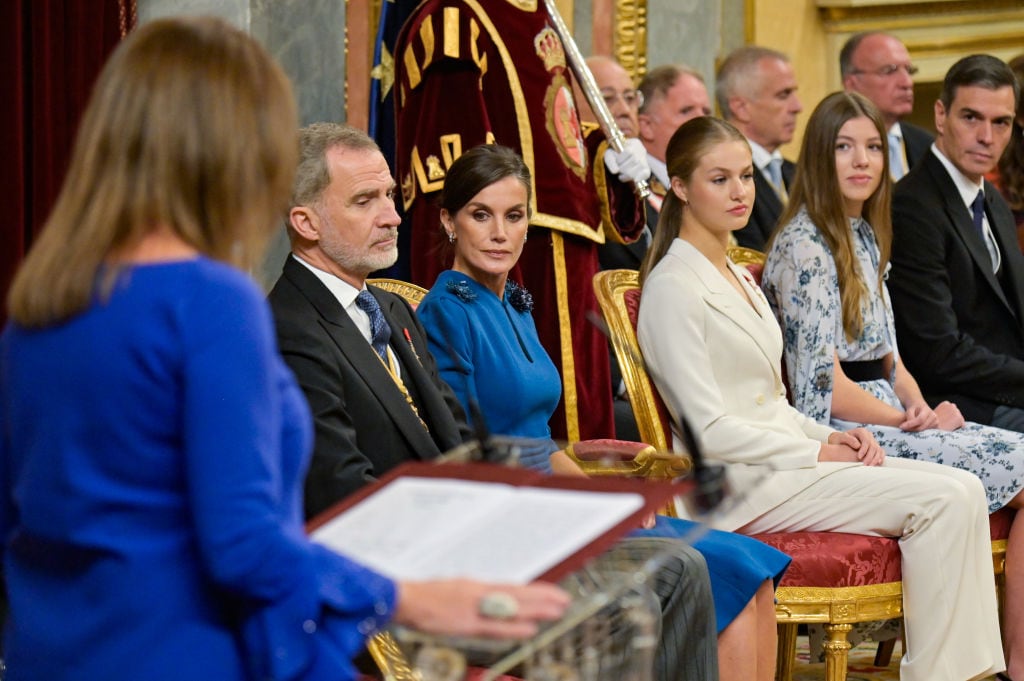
x: 434, y: 170
x: 474, y: 48
x: 563, y: 124
x: 560, y: 117
x: 608, y: 228
x: 549, y: 49
x: 518, y: 98
x: 568, y: 226
x: 426, y: 185
x: 408, y: 191
x: 572, y: 425
x: 451, y: 32
x: 451, y: 149
x: 412, y: 69
x: 526, y: 5
x: 427, y: 38
x: 489, y: 138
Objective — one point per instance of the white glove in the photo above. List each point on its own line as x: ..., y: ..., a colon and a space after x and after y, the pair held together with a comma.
x: 630, y: 164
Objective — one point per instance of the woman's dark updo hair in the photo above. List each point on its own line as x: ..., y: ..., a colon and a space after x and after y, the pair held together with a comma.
x: 479, y: 168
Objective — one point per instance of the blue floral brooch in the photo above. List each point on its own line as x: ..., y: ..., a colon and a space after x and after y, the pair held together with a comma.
x: 517, y: 296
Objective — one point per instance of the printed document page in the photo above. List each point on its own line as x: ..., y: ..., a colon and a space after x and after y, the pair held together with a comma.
x: 430, y: 528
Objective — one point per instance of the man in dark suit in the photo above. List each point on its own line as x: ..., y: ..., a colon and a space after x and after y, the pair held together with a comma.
x: 756, y: 91
x: 369, y: 416
x: 373, y: 388
x: 957, y: 279
x: 878, y: 66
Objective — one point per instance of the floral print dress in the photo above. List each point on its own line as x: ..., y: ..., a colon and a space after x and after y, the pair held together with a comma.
x: 802, y: 286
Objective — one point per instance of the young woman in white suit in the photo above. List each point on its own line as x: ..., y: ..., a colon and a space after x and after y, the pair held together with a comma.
x: 714, y: 350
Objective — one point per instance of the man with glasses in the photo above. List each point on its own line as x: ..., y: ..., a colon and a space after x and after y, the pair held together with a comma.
x: 878, y: 66
x: 624, y: 101
x: 622, y: 98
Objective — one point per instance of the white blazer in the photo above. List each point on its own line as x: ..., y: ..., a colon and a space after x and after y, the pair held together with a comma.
x: 717, y: 361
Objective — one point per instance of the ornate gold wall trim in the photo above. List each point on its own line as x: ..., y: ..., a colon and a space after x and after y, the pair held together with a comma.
x: 749, y: 24
x: 843, y: 15
x: 988, y: 43
x: 630, y: 38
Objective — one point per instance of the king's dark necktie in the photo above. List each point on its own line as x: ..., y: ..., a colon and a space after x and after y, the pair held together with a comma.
x: 380, y: 331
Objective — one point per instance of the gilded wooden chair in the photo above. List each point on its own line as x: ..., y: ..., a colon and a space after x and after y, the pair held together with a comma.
x: 412, y: 293
x: 749, y: 258
x: 836, y: 579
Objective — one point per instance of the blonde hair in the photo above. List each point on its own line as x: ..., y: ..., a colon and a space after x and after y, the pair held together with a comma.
x: 689, y: 144
x: 816, y: 188
x: 192, y: 127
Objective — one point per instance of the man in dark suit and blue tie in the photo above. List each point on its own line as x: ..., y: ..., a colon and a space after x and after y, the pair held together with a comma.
x: 358, y: 352
x: 756, y: 91
x: 361, y: 358
x: 957, y: 279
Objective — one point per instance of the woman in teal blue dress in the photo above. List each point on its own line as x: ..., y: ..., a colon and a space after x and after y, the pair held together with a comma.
x: 482, y: 334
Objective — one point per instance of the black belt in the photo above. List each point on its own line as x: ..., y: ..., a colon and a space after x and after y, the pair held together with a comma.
x: 865, y: 370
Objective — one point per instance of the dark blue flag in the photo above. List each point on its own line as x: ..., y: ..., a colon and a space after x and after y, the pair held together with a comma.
x: 393, y: 14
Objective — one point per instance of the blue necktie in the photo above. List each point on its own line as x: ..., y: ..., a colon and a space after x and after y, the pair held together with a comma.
x: 896, y: 170
x: 380, y: 331
x: 978, y: 212
x: 775, y: 171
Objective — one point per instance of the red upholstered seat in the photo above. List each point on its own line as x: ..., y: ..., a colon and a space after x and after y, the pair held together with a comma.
x: 605, y: 448
x: 836, y: 559
x: 999, y: 523
x: 631, y: 298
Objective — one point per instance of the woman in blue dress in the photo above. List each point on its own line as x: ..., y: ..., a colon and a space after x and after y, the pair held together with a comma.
x: 482, y: 335
x: 825, y: 280
x: 152, y: 441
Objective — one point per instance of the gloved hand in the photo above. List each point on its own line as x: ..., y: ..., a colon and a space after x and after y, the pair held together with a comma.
x: 630, y: 164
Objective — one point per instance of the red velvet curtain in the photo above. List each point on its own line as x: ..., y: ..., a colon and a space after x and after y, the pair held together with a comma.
x: 52, y: 53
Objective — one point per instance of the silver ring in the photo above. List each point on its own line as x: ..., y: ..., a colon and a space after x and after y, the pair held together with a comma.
x: 498, y: 605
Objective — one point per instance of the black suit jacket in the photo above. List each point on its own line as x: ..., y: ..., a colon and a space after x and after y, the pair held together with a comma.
x: 363, y: 425
x: 766, y: 210
x: 959, y: 328
x: 916, y: 142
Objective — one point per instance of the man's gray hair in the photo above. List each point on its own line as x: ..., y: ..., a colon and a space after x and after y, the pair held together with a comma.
x: 660, y: 80
x: 738, y: 74
x: 312, y: 176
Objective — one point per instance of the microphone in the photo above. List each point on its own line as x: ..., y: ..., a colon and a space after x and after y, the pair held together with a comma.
x: 709, y: 478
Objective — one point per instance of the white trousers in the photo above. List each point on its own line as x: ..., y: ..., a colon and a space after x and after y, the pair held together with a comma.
x: 940, y: 516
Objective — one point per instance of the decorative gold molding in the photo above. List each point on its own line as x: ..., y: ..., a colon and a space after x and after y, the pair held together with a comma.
x: 852, y: 15
x: 941, y: 47
x: 630, y: 39
x: 840, y: 604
